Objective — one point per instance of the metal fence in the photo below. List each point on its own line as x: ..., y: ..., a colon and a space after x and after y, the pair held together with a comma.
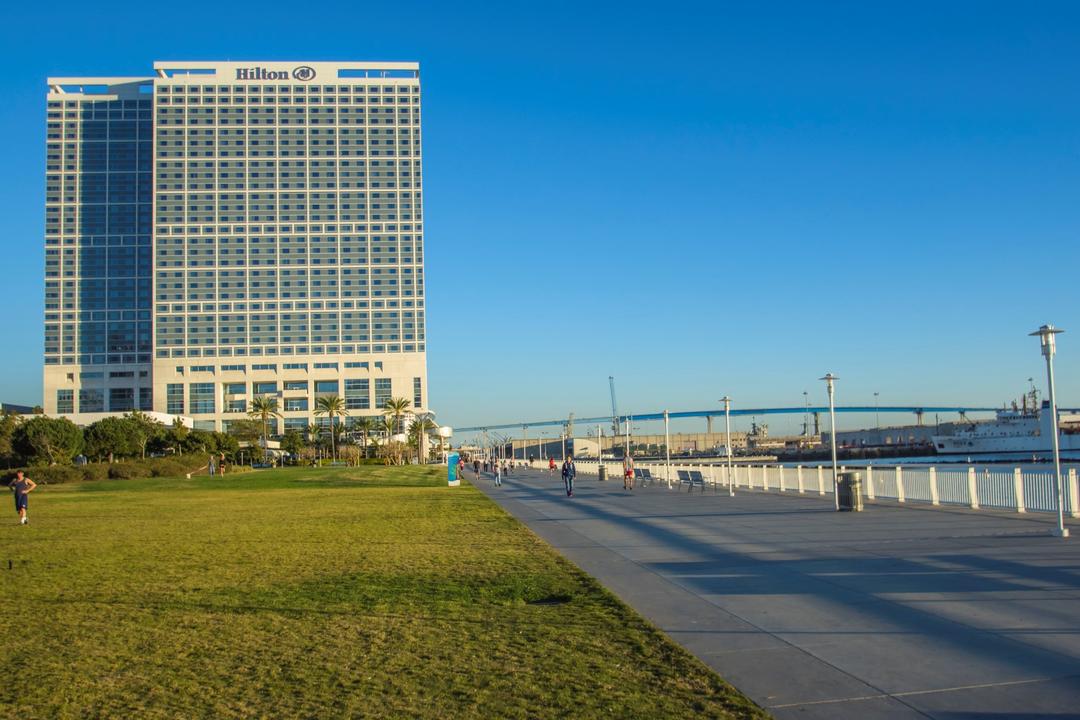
x: 1014, y: 489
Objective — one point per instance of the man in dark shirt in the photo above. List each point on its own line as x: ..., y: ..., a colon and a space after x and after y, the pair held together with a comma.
x: 22, y: 487
x: 569, y: 471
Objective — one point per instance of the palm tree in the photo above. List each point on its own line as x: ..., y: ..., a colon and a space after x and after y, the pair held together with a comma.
x: 263, y: 408
x: 333, y: 407
x: 396, y: 408
x: 365, y: 424
x: 420, y: 428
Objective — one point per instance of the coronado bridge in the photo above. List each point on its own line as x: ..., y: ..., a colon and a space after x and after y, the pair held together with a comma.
x: 917, y: 410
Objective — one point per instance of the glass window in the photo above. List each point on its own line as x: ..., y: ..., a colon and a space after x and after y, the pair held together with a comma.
x: 174, y: 398
x: 383, y: 392
x: 358, y: 394
x: 201, y: 398
x: 91, y: 401
x: 121, y: 399
x: 296, y: 385
x: 65, y: 401
x: 235, y: 388
x: 295, y: 404
x: 327, y: 387
x: 236, y: 406
x: 298, y: 424
x: 146, y: 399
x: 265, y: 388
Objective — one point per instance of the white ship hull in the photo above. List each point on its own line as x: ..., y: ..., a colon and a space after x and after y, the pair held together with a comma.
x: 1014, y: 431
x: 952, y: 445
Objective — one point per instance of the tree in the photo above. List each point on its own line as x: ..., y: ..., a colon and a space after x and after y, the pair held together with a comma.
x: 365, y: 425
x: 246, y: 430
x: 417, y: 431
x: 8, y: 423
x: 396, y: 408
x: 333, y: 407
x: 111, y: 437
x: 292, y: 442
x: 145, y: 428
x: 264, y: 408
x: 49, y: 440
x: 177, y: 434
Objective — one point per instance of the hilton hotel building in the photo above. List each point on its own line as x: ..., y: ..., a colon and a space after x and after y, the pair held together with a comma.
x: 220, y: 231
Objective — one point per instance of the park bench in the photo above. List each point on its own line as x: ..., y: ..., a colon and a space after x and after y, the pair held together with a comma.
x: 684, y: 479
x: 696, y: 478
x: 643, y: 476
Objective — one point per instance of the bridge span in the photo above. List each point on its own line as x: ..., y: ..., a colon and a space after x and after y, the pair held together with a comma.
x: 916, y: 410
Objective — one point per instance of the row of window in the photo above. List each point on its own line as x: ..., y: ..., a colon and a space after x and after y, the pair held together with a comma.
x: 357, y: 89
x: 272, y: 367
x: 214, y: 350
x: 201, y: 398
x: 93, y: 400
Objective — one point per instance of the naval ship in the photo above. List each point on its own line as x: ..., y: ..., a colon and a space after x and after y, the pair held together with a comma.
x: 1021, y: 428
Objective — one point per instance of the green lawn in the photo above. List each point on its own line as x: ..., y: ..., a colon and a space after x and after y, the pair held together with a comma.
x: 302, y: 593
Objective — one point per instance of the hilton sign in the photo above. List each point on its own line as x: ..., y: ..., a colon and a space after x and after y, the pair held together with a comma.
x: 302, y: 73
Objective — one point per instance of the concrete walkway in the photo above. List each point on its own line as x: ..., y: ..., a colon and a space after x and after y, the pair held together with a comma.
x: 896, y: 612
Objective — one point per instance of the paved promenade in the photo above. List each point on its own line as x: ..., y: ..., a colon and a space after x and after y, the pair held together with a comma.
x: 890, y: 613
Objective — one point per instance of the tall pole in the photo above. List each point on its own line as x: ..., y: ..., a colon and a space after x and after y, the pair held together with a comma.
x: 599, y: 447
x: 564, y: 444
x: 877, y: 416
x: 829, y: 380
x: 626, y: 453
x: 727, y: 428
x: 524, y: 444
x: 667, y: 449
x: 1046, y: 335
x: 806, y: 414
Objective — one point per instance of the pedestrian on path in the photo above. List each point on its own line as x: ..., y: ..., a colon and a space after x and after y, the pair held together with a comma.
x: 498, y: 473
x: 568, y: 474
x: 22, y: 486
x: 551, y: 466
x: 628, y: 472
x: 476, y: 467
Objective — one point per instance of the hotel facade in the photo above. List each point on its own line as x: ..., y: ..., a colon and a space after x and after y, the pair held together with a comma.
x: 220, y: 231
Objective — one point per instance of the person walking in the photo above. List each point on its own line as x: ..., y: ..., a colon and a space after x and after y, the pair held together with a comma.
x: 497, y: 469
x: 22, y: 486
x: 568, y: 474
x: 628, y: 472
x: 551, y: 466
x: 476, y: 467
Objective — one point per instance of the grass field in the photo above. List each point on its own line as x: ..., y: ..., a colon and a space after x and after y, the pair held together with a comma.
x: 299, y: 593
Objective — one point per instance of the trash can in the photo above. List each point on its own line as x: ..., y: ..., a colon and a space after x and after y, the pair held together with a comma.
x: 603, y: 472
x: 849, y: 489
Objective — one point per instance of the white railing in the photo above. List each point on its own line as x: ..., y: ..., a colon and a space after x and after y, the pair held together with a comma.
x: 1016, y: 489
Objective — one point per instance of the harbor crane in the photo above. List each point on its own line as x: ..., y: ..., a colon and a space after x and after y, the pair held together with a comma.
x: 614, y: 407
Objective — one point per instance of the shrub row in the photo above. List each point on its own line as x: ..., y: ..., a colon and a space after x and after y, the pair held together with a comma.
x: 175, y: 466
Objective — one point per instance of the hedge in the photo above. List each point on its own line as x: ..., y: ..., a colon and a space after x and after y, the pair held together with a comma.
x: 175, y: 466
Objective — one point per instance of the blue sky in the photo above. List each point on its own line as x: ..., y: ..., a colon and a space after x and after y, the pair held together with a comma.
x: 698, y: 199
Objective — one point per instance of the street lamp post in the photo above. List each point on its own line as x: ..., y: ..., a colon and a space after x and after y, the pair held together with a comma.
x: 877, y: 416
x: 829, y: 380
x: 727, y: 428
x: 806, y: 414
x: 1046, y: 335
x: 667, y: 449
